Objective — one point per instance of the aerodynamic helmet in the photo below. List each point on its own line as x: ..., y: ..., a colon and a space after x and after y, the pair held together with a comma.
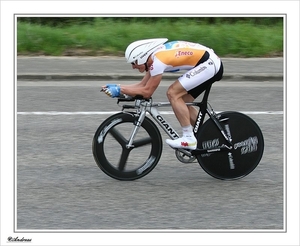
x: 139, y: 51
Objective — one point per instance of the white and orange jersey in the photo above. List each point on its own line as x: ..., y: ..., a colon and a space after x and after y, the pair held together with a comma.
x: 177, y: 55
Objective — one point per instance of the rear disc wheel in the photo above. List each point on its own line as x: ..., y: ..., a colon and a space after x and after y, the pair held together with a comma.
x: 247, y: 151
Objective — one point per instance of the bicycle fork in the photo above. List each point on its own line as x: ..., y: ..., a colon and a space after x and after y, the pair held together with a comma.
x: 137, y: 125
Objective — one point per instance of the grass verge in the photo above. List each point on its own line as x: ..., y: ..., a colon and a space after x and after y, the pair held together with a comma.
x: 111, y: 37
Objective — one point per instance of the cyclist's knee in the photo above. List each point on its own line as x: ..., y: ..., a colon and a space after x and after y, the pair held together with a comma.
x: 175, y: 91
x: 170, y: 92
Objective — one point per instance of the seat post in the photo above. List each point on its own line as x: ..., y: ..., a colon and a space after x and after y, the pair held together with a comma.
x: 206, y: 93
x: 202, y: 110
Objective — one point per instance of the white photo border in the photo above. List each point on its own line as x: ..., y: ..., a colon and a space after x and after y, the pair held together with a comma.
x: 10, y: 9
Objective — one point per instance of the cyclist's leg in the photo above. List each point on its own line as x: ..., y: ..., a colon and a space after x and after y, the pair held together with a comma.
x: 196, y: 91
x: 190, y: 83
x: 187, y: 88
x: 188, y: 98
x: 196, y: 81
x: 176, y: 93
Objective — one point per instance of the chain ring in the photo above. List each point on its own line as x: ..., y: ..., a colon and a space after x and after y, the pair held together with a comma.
x: 182, y: 157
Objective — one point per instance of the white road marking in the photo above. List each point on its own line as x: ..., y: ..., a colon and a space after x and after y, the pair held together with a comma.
x: 114, y: 112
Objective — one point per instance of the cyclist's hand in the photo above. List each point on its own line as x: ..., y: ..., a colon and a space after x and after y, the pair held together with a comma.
x: 112, y: 90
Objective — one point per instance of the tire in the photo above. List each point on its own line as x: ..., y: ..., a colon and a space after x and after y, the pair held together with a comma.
x: 111, y: 154
x: 247, y: 151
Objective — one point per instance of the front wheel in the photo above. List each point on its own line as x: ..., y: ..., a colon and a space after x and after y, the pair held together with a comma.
x: 115, y: 158
x: 246, y: 152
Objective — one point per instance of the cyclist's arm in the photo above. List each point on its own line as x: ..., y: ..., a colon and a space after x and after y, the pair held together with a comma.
x: 145, y: 88
x: 139, y: 84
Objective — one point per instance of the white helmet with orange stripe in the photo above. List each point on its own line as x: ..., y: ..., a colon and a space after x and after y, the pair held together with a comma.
x: 139, y: 51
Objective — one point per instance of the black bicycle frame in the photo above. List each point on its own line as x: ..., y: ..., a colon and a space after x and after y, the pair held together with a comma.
x: 203, y: 110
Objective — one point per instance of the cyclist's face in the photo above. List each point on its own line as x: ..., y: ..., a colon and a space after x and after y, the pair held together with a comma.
x: 141, y: 67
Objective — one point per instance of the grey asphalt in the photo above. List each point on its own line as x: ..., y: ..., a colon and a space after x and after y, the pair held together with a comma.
x: 115, y: 68
x: 60, y: 187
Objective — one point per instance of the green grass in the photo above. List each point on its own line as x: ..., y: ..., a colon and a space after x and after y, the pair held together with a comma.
x: 111, y: 37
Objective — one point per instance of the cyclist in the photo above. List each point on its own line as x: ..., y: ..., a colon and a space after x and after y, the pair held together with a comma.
x: 155, y: 56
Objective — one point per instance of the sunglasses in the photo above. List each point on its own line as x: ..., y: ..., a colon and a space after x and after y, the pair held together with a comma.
x: 134, y: 63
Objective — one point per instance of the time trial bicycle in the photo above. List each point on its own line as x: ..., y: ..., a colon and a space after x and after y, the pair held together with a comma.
x: 128, y: 145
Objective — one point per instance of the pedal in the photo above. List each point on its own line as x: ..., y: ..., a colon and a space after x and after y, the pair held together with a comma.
x: 184, y: 156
